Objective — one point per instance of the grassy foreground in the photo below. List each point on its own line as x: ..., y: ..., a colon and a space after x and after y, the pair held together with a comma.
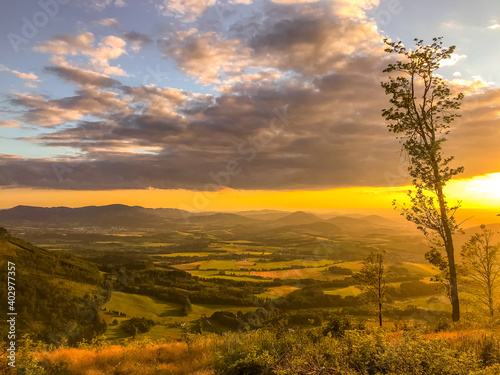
x: 279, y: 351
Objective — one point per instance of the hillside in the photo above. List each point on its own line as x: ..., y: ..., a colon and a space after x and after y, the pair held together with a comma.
x: 298, y: 218
x: 49, y: 288
x: 223, y: 220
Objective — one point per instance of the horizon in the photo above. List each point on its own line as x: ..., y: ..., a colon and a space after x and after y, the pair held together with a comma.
x: 470, y: 218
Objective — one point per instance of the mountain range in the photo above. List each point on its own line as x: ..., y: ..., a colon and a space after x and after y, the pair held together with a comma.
x: 136, y: 217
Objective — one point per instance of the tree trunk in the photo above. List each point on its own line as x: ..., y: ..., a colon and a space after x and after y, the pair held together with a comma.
x: 450, y: 252
x: 380, y: 314
x: 455, y: 305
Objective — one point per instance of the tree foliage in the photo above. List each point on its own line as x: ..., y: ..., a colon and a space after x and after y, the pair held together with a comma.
x: 372, y: 280
x: 481, y: 261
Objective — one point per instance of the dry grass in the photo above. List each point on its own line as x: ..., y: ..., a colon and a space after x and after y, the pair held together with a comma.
x: 258, y: 352
x: 165, y: 359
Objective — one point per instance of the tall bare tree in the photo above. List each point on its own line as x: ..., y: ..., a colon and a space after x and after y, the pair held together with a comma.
x: 422, y: 109
x: 481, y: 261
x: 372, y: 280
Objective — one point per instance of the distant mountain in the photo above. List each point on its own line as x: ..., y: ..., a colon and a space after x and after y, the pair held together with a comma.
x: 264, y: 214
x: 379, y: 220
x: 298, y: 218
x: 136, y: 217
x: 461, y: 239
x: 318, y: 228
x: 102, y: 216
x: 350, y: 224
x: 222, y: 219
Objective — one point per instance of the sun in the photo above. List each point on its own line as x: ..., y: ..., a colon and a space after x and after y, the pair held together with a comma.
x: 488, y: 185
x: 479, y: 191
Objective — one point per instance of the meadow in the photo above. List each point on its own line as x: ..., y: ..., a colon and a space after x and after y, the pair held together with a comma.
x: 415, y: 350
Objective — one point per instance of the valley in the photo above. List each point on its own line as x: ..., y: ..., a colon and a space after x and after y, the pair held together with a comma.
x: 214, y: 272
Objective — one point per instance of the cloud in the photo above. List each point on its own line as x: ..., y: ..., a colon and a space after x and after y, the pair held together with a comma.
x: 317, y: 147
x: 261, y: 77
x: 108, y: 22
x: 10, y: 124
x: 312, y: 39
x: 494, y: 27
x: 455, y: 57
x: 26, y: 76
x: 67, y: 44
x: 354, y: 9
x: 42, y: 112
x: 313, y: 43
x: 294, y: 1
x: 83, y: 77
x: 100, y: 5
x: 88, y: 101
x: 188, y: 10
x: 111, y: 47
x: 315, y: 150
x: 205, y: 56
x: 330, y: 135
x: 451, y: 24
x: 471, y: 87
x: 137, y: 40
x: 298, y: 107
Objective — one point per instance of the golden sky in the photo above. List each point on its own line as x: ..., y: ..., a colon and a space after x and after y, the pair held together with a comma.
x: 482, y: 192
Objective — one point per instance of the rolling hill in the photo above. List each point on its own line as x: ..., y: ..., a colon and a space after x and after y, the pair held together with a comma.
x: 223, y: 220
x: 298, y: 218
x: 49, y: 289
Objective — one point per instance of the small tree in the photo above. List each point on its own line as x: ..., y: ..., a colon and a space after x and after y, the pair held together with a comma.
x: 372, y: 280
x: 422, y: 108
x: 187, y: 308
x: 481, y: 261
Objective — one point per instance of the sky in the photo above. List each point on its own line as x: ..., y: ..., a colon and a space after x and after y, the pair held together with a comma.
x: 231, y: 104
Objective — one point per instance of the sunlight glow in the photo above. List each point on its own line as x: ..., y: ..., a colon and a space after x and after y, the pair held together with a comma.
x: 477, y: 192
x: 480, y: 192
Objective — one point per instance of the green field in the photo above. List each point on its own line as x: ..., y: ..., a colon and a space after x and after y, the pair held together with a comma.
x: 277, y: 291
x: 199, y: 254
x: 142, y: 306
x: 166, y: 314
x: 348, y: 291
x: 218, y: 265
x: 238, y: 275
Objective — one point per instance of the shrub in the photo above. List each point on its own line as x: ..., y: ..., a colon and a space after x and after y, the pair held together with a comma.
x: 337, y: 326
x: 138, y: 325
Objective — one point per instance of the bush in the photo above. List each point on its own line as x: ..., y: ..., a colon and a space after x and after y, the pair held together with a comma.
x: 337, y: 326
x: 138, y: 325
